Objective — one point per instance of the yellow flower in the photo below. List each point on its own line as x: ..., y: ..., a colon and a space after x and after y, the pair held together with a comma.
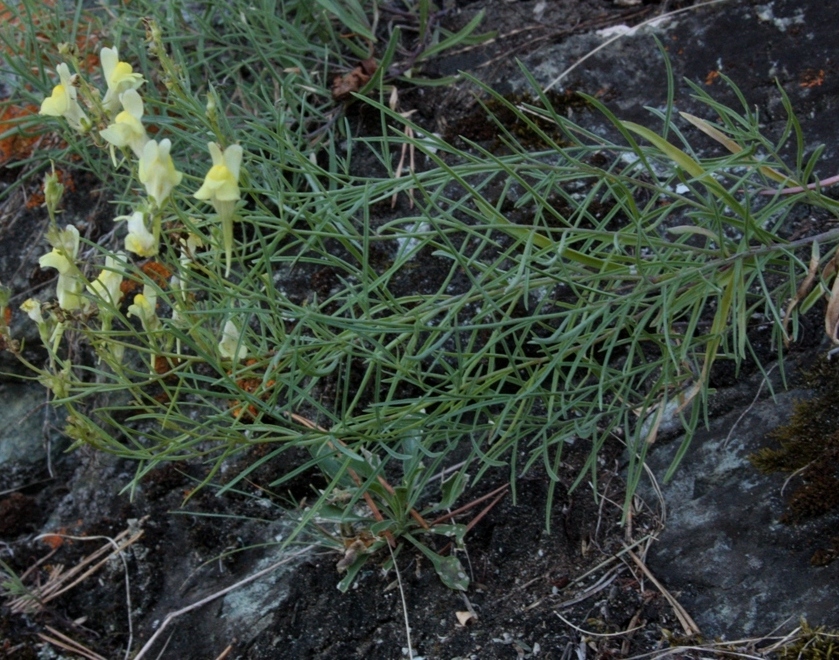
x: 139, y: 240
x: 63, y: 102
x: 127, y: 129
x: 222, y: 181
x: 144, y: 308
x: 119, y: 77
x: 221, y: 189
x: 106, y: 286
x: 33, y: 310
x: 231, y: 345
x: 62, y: 258
x: 157, y: 171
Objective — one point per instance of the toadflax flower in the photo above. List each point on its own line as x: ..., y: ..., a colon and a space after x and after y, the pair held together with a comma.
x: 139, y: 240
x: 33, y: 310
x: 231, y: 345
x: 63, y: 102
x: 127, y: 129
x: 144, y: 308
x: 119, y: 76
x: 221, y: 189
x: 62, y: 258
x: 157, y: 171
x: 106, y: 286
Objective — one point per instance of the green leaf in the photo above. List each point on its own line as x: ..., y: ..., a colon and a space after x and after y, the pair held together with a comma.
x: 715, y: 134
x: 696, y: 170
x: 352, y: 572
x: 451, y: 490
x: 449, y: 569
x: 351, y: 15
x: 461, y: 38
x: 456, y: 532
x: 675, y: 154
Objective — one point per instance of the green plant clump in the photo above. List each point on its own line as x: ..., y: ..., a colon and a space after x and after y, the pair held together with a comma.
x: 261, y: 292
x: 812, y: 644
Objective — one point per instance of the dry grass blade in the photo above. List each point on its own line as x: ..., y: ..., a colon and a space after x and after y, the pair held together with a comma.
x: 404, y: 604
x: 225, y: 653
x: 784, y: 641
x: 831, y: 316
x: 749, y: 409
x: 60, y: 586
x: 65, y: 643
x: 688, y: 624
x: 824, y: 183
x: 728, y: 143
x: 802, y: 292
x: 61, y: 581
x: 598, y: 586
x: 485, y: 511
x: 588, y: 633
x: 498, y: 491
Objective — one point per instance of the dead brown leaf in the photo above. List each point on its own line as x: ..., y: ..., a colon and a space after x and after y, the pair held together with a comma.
x: 803, y: 290
x: 344, y: 86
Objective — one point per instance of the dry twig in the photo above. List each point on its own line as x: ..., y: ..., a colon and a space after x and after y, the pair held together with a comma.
x: 65, y: 643
x: 688, y: 624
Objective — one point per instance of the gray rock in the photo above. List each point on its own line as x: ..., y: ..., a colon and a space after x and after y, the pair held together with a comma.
x: 22, y: 433
x: 731, y: 564
x: 783, y: 42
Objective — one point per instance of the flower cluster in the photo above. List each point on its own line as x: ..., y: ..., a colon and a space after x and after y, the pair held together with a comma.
x: 65, y: 249
x: 127, y: 129
x: 121, y: 111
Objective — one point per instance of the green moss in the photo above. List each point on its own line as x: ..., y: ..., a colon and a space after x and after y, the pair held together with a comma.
x: 809, y: 447
x: 812, y: 644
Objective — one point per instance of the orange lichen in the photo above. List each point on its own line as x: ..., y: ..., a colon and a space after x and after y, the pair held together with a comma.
x: 251, y: 385
x: 164, y: 366
x: 712, y: 77
x: 811, y: 78
x: 157, y: 272
x: 59, y: 537
x: 54, y: 541
x: 16, y: 146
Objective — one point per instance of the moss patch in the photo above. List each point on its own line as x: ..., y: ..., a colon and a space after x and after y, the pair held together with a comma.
x: 812, y: 644
x: 809, y: 450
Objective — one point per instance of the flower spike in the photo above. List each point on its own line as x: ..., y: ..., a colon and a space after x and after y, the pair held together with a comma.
x: 221, y: 189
